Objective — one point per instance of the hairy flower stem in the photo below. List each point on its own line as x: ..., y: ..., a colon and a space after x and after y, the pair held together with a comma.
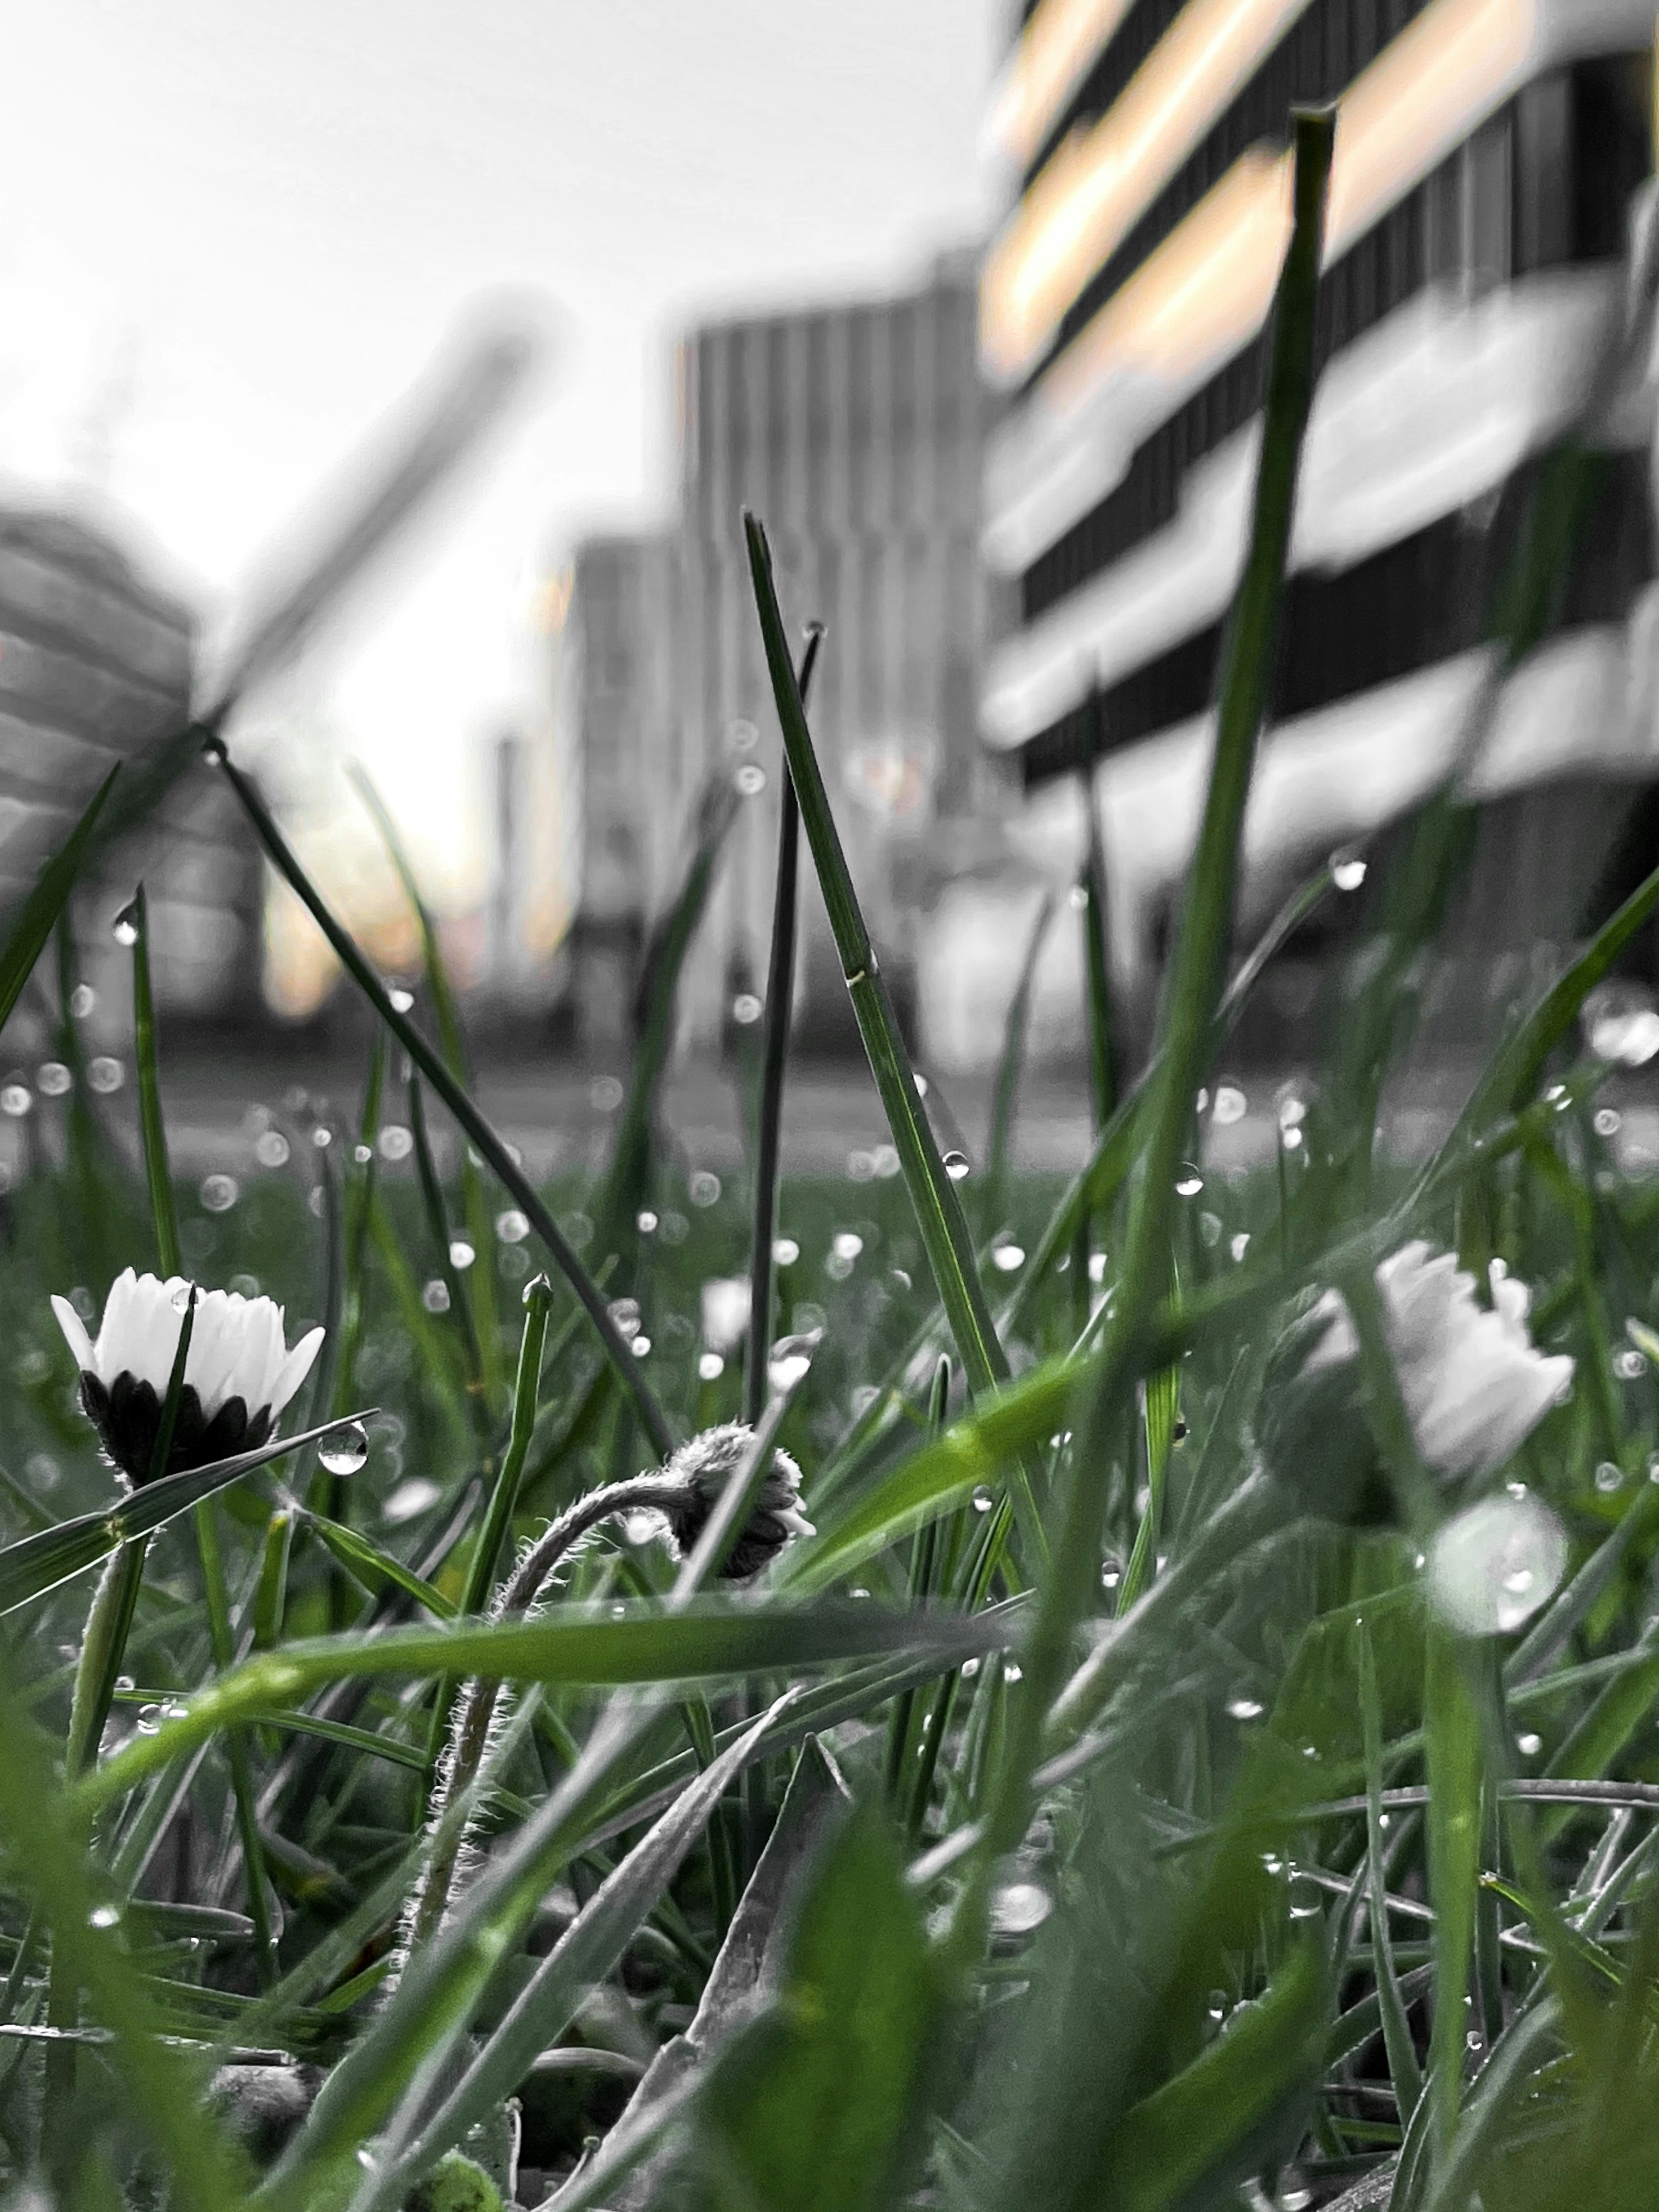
x: 476, y: 1707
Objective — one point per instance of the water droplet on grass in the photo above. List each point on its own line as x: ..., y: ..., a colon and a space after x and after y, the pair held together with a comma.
x: 82, y: 1000
x: 461, y: 1254
x: 784, y: 1251
x: 272, y: 1149
x: 53, y: 1080
x: 746, y: 1009
x: 436, y: 1297
x: 1231, y: 1104
x: 1017, y: 1907
x: 124, y: 928
x: 1188, y: 1183
x: 1493, y: 1565
x: 1609, y: 1475
x: 1305, y: 1897
x: 1008, y: 1258
x: 749, y: 780
x: 1244, y: 1708
x: 1608, y: 1121
x: 604, y: 1094
x: 343, y: 1450
x: 104, y: 1916
x: 16, y: 1099
x: 396, y: 1142
x: 1291, y: 1139
x: 846, y: 1244
x: 401, y: 1000
x: 218, y: 1192
x: 703, y: 1188
x: 640, y: 1346
x: 710, y: 1366
x: 645, y: 1221
x: 955, y: 1165
x: 1209, y: 1231
x: 981, y: 1499
x: 1347, y: 871
x: 511, y: 1226
x: 1529, y: 1745
x: 1241, y: 1245
x: 149, y: 1720
x: 106, y: 1075
x: 1628, y: 1365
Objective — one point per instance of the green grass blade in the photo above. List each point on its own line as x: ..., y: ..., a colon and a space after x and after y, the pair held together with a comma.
x: 585, y: 1955
x: 480, y: 1281
x: 1097, y: 968
x: 375, y: 1568
x: 1452, y: 1730
x: 774, y: 1056
x: 489, y: 1145
x: 157, y: 1173
x: 1005, y: 1096
x: 498, y: 1515
x: 1404, y: 2071
x: 36, y: 918
x: 39, y: 1563
x: 932, y: 1193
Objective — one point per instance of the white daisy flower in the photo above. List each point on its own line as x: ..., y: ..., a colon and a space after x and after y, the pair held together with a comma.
x: 239, y: 1374
x: 1474, y: 1384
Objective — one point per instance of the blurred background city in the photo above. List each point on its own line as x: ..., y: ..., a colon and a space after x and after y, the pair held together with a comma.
x: 403, y: 385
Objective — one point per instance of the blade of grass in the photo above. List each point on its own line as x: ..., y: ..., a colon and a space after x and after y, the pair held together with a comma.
x: 1191, y: 992
x: 35, y: 920
x: 774, y: 1056
x: 1005, y: 1096
x: 489, y: 1145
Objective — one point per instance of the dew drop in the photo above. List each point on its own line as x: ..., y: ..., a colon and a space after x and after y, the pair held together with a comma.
x: 1008, y: 1258
x: 1216, y: 2005
x: 1188, y: 1183
x: 218, y: 1192
x: 1609, y: 1475
x: 955, y: 1165
x: 1097, y: 1267
x: 1629, y: 1364
x: 149, y: 1720
x: 436, y: 1297
x: 645, y: 1221
x: 180, y: 1299
x: 322, y: 1137
x: 1272, y: 1863
x: 343, y: 1450
x: 784, y: 1251
x: 746, y: 1009
x: 1244, y: 1708
x: 362, y: 1154
x: 981, y: 1499
x: 1493, y: 1564
x: 749, y: 780
x: 461, y: 1254
x: 1017, y: 1907
x: 271, y: 1150
x: 1209, y: 1231
x: 624, y: 1316
x: 1608, y: 1121
x: 1304, y: 1897
x: 1240, y: 1244
x: 1529, y: 1745
x: 969, y: 1669
x: 511, y: 1226
x: 104, y: 1916
x: 1291, y: 1139
x: 1111, y: 1574
x: 710, y: 1366
x: 53, y: 1080
x: 640, y: 1346
x: 124, y: 928
x: 16, y: 1099
x: 1231, y: 1104
x: 106, y: 1075
x: 401, y: 1000
x: 1347, y: 871
x: 214, y: 750
x: 82, y: 1000
x: 846, y: 1244
x: 396, y: 1142
x: 1078, y: 897
x: 703, y: 1188
x: 604, y: 1094
x: 1013, y: 1672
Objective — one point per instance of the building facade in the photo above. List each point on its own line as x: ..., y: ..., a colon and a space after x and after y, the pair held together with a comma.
x: 1488, y: 153
x: 95, y: 669
x: 856, y: 433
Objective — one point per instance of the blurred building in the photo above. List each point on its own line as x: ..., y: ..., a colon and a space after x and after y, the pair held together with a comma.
x: 1486, y: 155
x: 624, y: 723
x: 856, y: 433
x: 95, y: 669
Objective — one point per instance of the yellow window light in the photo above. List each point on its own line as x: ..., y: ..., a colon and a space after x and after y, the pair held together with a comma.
x: 1053, y: 56
x: 1209, y: 285
x: 1089, y: 196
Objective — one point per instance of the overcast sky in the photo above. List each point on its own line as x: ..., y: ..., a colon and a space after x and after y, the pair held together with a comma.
x: 236, y: 234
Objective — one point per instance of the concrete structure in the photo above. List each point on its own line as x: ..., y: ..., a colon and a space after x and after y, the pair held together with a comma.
x: 95, y: 668
x: 1488, y: 153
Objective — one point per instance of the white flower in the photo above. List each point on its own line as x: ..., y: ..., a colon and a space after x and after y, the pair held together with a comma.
x: 726, y: 1309
x: 1474, y: 1386
x: 239, y: 1374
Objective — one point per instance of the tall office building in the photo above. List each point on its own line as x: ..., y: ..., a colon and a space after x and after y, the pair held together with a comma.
x: 1486, y: 155
x: 856, y: 433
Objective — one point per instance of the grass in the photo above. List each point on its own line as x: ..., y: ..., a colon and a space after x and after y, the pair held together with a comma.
x: 1093, y: 1813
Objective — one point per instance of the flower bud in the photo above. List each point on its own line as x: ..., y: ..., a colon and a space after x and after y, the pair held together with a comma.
x: 702, y: 1467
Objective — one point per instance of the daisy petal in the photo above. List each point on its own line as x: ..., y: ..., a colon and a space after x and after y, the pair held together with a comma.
x: 74, y: 1331
x: 295, y: 1369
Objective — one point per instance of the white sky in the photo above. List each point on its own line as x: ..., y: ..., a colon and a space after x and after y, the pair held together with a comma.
x: 263, y: 220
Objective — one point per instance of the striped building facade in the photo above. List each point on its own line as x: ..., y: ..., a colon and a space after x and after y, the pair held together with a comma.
x: 1487, y: 155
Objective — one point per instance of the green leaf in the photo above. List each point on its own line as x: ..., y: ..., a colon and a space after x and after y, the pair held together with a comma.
x: 816, y: 2108
x: 588, y: 1951
x: 39, y: 1563
x: 376, y: 1568
x: 39, y: 913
